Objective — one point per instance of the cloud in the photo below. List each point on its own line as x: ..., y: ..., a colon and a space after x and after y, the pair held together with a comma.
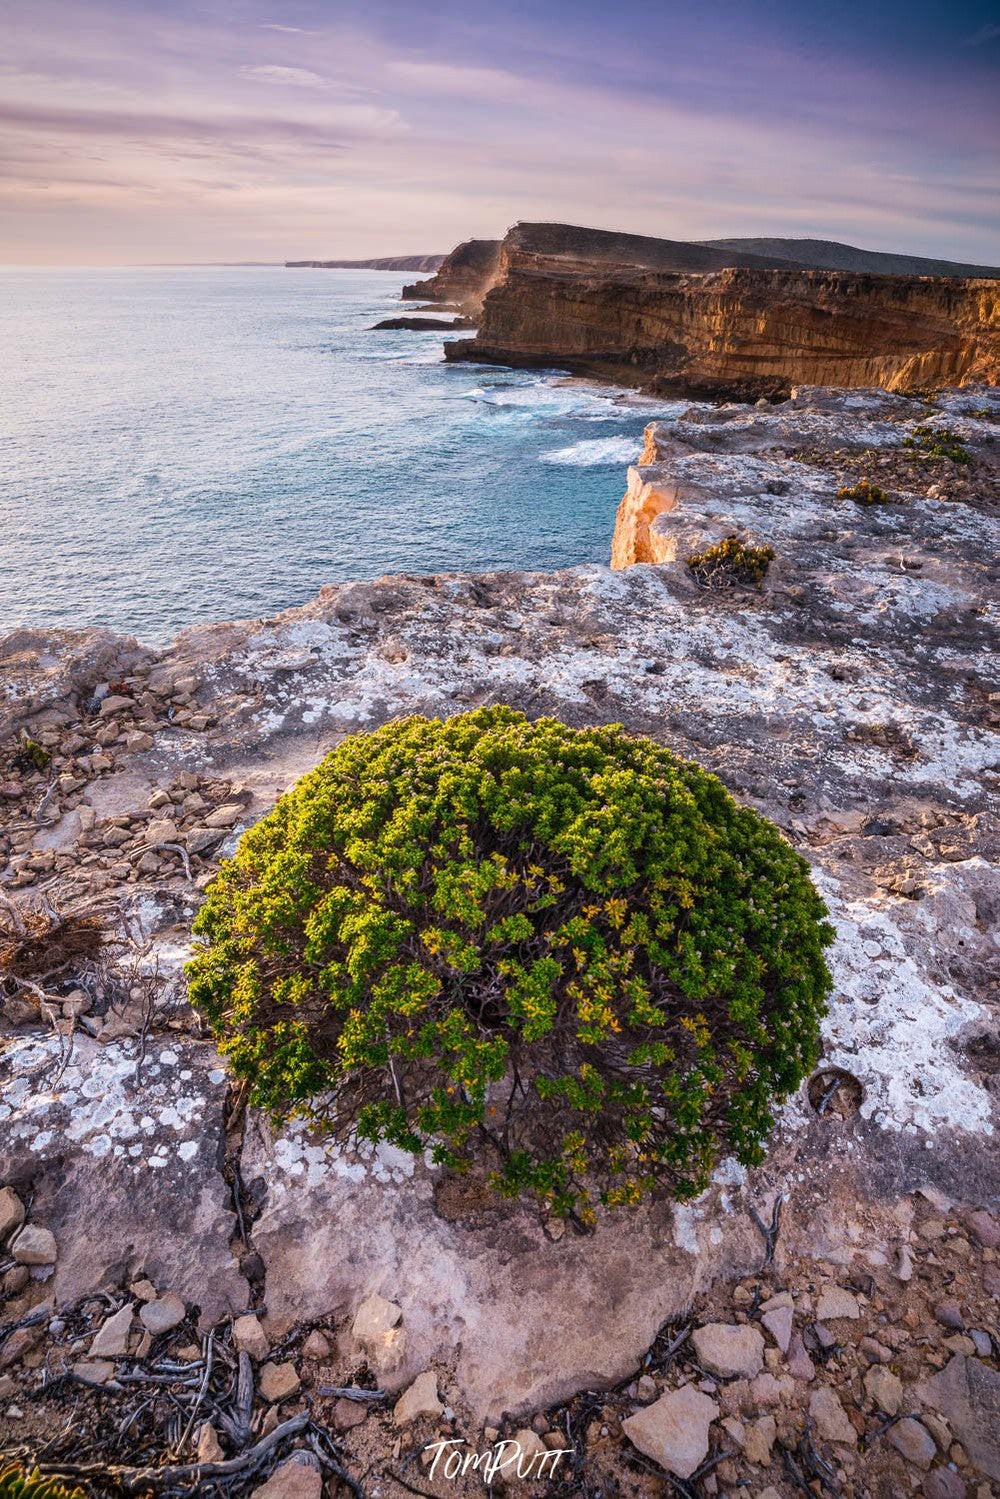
x: 348, y: 119
x: 291, y: 77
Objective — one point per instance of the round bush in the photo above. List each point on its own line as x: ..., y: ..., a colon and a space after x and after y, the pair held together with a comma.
x: 564, y: 952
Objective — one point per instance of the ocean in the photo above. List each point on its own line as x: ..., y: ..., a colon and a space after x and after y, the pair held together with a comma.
x: 180, y: 445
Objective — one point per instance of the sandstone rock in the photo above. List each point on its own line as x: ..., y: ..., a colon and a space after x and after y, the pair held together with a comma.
x: 674, y: 1430
x: 163, y: 1314
x: 22, y: 1341
x: 158, y: 799
x: 913, y: 1441
x: 729, y: 1350
x: 138, y: 741
x: 779, y: 1324
x: 830, y: 1418
x: 531, y: 1446
x: 34, y: 1246
x: 225, y: 817
x: 200, y: 839
x: 111, y: 1340
x: 11, y: 1213
x: 278, y: 1382
x: 944, y: 1483
x: 883, y: 1389
x: 115, y: 703
x: 250, y: 1337
x: 316, y: 1347
x: 967, y: 1393
x: 760, y: 1438
x: 949, y: 1314
x: 161, y: 830
x: 800, y: 1365
x: 376, y: 1327
x: 646, y: 1389
x: 297, y: 1478
x: 348, y: 1414
x: 209, y: 1449
x: 834, y: 1302
x: 986, y: 1229
x: 421, y: 1399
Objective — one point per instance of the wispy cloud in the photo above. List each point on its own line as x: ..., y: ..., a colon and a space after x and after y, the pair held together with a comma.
x: 288, y: 77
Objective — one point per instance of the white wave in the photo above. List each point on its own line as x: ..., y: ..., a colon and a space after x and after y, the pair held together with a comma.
x: 600, y: 450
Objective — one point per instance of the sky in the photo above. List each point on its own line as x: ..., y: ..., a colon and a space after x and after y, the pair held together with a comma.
x: 137, y: 131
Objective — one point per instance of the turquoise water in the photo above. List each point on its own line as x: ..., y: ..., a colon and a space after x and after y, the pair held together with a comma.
x: 183, y: 445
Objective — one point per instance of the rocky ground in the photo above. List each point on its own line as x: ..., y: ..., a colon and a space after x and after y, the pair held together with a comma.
x: 183, y: 1290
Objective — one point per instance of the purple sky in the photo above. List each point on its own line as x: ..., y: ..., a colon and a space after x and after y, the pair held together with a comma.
x: 241, y: 130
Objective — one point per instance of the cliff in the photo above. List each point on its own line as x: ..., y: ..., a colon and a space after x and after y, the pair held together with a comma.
x: 663, y: 315
x: 830, y: 255
x: 386, y: 263
x: 854, y: 701
x: 463, y: 278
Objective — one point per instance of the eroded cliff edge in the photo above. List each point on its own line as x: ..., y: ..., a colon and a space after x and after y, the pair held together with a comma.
x: 701, y: 321
x: 854, y: 700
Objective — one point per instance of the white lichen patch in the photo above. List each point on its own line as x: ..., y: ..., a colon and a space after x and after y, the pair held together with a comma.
x: 891, y: 1023
x: 105, y: 1102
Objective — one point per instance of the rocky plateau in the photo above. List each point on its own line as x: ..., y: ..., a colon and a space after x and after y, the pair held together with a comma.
x: 191, y: 1295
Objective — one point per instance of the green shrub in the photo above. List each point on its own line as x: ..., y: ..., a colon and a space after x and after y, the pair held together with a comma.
x: 563, y: 952
x: 938, y: 442
x: 864, y: 493
x: 730, y: 563
x: 18, y: 1483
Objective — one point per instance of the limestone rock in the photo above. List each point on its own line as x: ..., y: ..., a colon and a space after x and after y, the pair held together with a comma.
x: 250, y: 1337
x: 913, y: 1441
x: 967, y: 1393
x: 674, y: 1430
x: 779, y: 1323
x: 278, y: 1382
x: 729, y: 1350
x: 759, y: 1439
x: 11, y: 1213
x: 163, y: 1314
x: 209, y: 1448
x: 125, y: 1164
x: 834, y: 1302
x: 297, y: 1478
x: 111, y: 1339
x: 883, y: 1389
x: 316, y: 1346
x: 34, y: 1245
x: 830, y: 1418
x: 421, y: 1399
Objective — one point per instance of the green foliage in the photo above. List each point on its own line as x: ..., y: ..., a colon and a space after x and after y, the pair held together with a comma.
x: 563, y: 952
x: 731, y: 562
x: 32, y: 755
x: 18, y: 1483
x: 938, y: 442
x: 865, y: 494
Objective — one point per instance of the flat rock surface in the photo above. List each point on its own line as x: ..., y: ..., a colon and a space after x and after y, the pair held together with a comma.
x: 854, y: 702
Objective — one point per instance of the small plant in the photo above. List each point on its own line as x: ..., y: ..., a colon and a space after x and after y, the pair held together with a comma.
x: 730, y: 563
x: 561, y: 954
x: 864, y: 493
x: 938, y: 442
x: 31, y: 755
x: 18, y: 1483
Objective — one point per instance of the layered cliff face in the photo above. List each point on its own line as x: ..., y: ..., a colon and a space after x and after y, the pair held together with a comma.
x: 646, y: 313
x: 385, y: 263
x: 463, y: 277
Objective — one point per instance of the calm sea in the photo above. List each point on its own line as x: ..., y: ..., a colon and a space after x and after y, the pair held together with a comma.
x: 182, y: 445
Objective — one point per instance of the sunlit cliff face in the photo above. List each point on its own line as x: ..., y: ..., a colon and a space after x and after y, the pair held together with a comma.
x: 145, y: 131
